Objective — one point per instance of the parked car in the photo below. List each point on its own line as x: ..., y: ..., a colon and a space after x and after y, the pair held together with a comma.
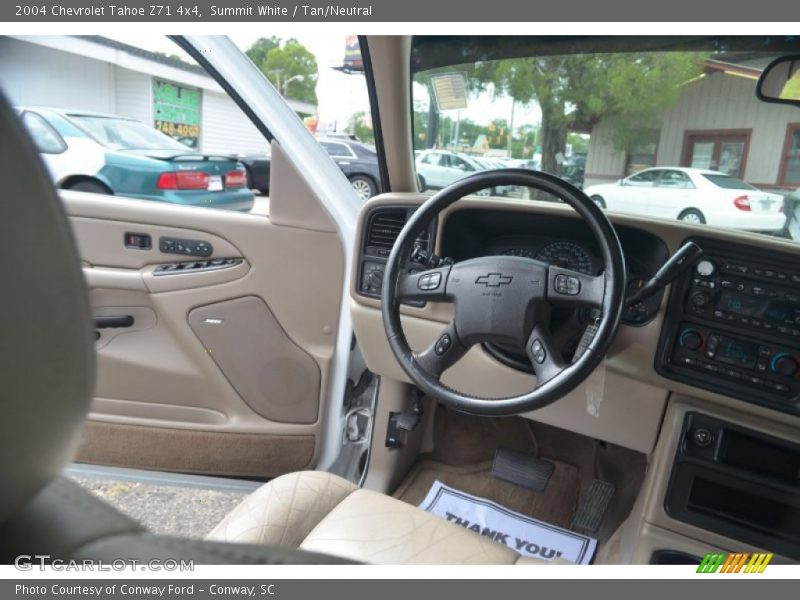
x: 357, y: 160
x: 109, y: 154
x: 492, y: 162
x: 439, y: 168
x: 694, y: 196
x: 576, y: 158
x: 573, y: 173
x: 527, y: 163
x: 257, y: 167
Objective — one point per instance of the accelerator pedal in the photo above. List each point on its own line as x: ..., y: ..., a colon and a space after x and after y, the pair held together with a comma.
x: 592, y: 506
x: 522, y: 469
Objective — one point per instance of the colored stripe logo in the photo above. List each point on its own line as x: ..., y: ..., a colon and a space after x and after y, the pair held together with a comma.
x: 739, y: 562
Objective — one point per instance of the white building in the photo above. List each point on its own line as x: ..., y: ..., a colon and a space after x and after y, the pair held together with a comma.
x: 103, y: 75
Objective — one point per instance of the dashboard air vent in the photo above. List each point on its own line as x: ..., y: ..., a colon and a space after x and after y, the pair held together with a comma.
x: 384, y: 228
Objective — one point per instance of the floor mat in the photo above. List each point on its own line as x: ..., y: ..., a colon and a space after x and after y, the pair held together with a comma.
x: 556, y: 505
x: 525, y: 535
x: 465, y: 441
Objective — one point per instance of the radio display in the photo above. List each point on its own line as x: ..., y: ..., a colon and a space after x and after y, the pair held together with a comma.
x: 738, y: 304
x: 734, y: 352
x: 780, y: 312
x: 743, y: 305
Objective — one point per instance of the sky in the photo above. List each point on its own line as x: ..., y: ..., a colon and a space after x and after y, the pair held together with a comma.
x: 341, y: 95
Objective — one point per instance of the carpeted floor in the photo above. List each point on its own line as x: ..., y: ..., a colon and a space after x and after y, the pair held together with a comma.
x: 462, y: 458
x: 555, y: 505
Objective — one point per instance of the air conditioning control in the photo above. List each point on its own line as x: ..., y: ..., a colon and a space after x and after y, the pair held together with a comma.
x: 784, y: 364
x: 691, y: 339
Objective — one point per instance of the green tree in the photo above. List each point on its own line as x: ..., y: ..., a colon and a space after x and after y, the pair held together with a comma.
x: 261, y: 47
x: 628, y: 90
x: 289, y: 66
x: 523, y: 144
x: 360, y: 125
x: 579, y: 142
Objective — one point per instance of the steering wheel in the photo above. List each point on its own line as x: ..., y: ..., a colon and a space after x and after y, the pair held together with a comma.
x: 504, y: 299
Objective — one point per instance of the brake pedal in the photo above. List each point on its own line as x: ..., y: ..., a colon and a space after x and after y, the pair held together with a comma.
x: 522, y: 469
x: 592, y: 506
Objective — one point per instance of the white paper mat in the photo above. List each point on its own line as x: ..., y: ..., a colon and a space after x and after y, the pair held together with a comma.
x: 525, y: 535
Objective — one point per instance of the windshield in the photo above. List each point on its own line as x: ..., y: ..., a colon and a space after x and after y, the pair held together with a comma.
x: 662, y: 127
x: 124, y: 134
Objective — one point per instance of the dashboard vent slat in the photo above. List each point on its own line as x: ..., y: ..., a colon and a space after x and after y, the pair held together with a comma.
x: 384, y: 228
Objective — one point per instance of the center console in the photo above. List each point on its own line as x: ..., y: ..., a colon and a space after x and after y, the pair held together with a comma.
x: 737, y: 482
x: 733, y: 326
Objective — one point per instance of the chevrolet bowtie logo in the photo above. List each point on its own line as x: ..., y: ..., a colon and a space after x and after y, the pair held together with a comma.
x: 494, y: 279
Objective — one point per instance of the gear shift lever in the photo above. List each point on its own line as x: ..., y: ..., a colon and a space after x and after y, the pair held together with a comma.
x: 669, y: 271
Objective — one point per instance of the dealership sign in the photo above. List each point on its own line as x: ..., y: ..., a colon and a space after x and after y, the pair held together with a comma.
x: 176, y: 112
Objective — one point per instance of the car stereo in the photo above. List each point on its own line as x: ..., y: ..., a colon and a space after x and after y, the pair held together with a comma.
x: 733, y: 326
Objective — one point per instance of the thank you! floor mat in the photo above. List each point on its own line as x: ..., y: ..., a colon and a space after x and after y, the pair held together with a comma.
x: 525, y: 535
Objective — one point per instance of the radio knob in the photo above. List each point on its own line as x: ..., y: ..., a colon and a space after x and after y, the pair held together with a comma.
x: 784, y: 364
x: 700, y: 299
x: 691, y: 339
x: 705, y: 268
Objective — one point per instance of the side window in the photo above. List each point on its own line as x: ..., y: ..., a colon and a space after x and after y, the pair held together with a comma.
x: 44, y: 136
x: 337, y: 150
x: 129, y: 129
x: 644, y: 179
x: 321, y: 76
x: 150, y: 123
x: 460, y: 164
x: 433, y: 159
x: 674, y: 179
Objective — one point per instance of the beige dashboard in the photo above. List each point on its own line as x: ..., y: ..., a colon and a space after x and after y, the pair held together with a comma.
x: 633, y: 396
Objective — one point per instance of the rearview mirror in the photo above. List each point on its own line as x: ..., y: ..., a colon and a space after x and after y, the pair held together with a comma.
x: 780, y: 81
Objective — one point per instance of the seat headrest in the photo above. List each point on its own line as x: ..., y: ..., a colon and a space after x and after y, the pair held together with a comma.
x: 46, y: 331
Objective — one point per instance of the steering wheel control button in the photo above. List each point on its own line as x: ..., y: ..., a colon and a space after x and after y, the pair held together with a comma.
x: 538, y: 351
x: 568, y: 285
x: 443, y: 344
x: 429, y: 281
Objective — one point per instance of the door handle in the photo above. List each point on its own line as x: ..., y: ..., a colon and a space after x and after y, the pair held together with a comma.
x: 105, y: 322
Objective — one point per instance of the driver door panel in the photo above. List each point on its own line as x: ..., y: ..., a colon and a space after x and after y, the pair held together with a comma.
x: 222, y: 371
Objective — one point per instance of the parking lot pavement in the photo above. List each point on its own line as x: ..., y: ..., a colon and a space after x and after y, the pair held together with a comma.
x: 165, y: 509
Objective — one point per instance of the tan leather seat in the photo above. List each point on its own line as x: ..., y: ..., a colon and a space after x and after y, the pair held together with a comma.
x: 320, y: 512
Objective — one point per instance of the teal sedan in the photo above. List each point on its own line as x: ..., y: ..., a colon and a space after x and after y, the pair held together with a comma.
x: 108, y: 154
